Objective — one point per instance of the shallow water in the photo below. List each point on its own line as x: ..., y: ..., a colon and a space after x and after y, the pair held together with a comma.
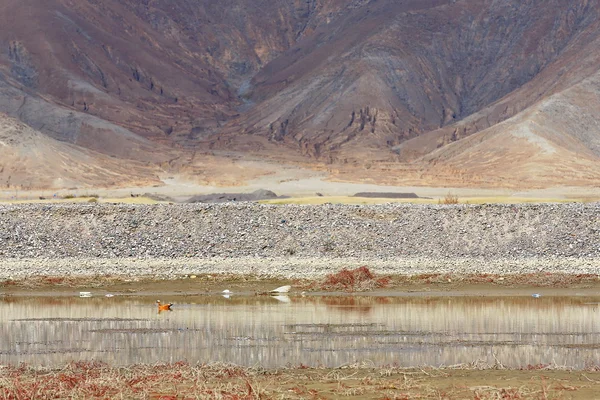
x: 315, y: 330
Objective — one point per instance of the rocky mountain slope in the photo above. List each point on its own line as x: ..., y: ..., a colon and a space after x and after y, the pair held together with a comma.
x: 445, y: 92
x: 30, y: 159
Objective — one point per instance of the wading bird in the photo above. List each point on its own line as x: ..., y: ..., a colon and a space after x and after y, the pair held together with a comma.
x: 282, y: 289
x: 279, y: 290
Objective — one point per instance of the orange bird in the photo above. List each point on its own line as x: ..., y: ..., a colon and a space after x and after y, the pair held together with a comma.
x: 163, y: 307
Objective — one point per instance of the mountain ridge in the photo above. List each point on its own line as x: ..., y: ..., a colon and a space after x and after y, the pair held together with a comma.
x: 400, y: 87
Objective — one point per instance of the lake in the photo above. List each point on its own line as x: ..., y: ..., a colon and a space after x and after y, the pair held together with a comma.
x: 314, y: 331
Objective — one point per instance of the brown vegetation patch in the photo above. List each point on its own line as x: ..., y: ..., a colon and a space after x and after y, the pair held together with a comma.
x: 96, y: 380
x: 449, y: 199
x: 356, y: 280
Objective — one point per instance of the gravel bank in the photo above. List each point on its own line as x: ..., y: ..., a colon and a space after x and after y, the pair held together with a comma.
x: 297, y: 241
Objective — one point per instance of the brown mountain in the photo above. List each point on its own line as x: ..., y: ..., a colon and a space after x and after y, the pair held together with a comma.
x: 455, y: 92
x: 32, y: 160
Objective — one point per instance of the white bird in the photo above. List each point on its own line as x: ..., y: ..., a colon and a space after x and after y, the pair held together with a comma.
x: 282, y: 289
x: 226, y: 291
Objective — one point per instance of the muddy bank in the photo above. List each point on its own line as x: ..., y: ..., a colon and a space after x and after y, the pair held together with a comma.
x: 297, y: 241
x: 546, y: 286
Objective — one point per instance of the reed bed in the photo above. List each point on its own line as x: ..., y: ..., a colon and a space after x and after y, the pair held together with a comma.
x: 94, y: 380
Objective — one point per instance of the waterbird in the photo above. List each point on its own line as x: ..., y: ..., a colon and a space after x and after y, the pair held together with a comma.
x: 163, y: 307
x: 282, y: 289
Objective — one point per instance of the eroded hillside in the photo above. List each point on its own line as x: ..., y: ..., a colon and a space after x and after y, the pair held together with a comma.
x: 444, y: 92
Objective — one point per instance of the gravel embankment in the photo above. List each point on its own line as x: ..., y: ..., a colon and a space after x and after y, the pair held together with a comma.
x: 297, y: 241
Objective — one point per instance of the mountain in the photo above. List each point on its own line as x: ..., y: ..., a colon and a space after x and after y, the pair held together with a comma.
x: 499, y: 93
x: 33, y: 160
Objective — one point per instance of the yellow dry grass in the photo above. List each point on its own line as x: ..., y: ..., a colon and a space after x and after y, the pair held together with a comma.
x: 315, y: 200
x: 345, y: 200
x: 85, y: 379
x: 461, y: 200
x: 121, y: 200
x: 131, y: 200
x: 514, y: 200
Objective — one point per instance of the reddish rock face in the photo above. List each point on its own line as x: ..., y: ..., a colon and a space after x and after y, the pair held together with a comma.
x: 336, y: 81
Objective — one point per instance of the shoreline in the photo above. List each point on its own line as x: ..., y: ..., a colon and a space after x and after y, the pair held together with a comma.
x: 307, y: 277
x: 289, y: 267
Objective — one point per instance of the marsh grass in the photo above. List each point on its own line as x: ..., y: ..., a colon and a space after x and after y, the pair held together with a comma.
x: 95, y: 380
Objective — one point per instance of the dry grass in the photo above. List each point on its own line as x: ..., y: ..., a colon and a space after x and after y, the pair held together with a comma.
x: 343, y: 200
x: 463, y: 199
x: 357, y: 280
x: 311, y: 200
x: 131, y: 200
x: 520, y: 200
x: 93, y: 380
x: 449, y: 199
x: 83, y: 199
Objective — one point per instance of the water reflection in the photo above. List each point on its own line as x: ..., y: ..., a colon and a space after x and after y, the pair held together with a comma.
x: 276, y: 331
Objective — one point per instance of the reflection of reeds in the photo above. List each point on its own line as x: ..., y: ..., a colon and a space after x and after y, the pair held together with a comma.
x: 356, y: 280
x: 349, y: 303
